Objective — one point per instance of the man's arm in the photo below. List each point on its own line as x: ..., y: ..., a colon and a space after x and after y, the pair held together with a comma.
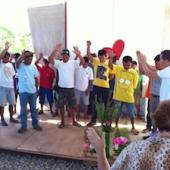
x: 148, y: 70
x: 38, y: 59
x: 88, y: 50
x: 78, y: 54
x: 55, y: 54
x: 20, y: 59
x: 7, y: 46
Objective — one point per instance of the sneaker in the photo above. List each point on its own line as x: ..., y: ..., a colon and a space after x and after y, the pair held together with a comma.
x: 38, y: 128
x: 90, y: 124
x: 12, y: 120
x: 22, y: 130
x: 4, y: 123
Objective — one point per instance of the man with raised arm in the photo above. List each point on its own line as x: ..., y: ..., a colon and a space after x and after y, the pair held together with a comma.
x: 66, y: 70
x: 7, y: 94
x: 163, y: 73
x: 102, y: 71
x: 28, y: 86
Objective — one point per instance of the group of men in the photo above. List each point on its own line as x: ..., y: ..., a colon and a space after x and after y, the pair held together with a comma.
x: 75, y: 80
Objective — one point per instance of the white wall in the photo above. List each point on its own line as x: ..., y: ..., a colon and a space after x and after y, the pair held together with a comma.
x: 138, y: 22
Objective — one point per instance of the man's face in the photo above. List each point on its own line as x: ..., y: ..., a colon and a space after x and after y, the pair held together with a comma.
x: 102, y: 58
x: 28, y: 58
x: 85, y: 64
x: 162, y: 63
x: 127, y: 65
x: 157, y: 65
x: 5, y: 59
x: 65, y: 58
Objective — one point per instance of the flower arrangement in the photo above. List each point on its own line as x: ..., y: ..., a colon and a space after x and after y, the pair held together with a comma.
x: 106, y: 114
x: 119, y: 143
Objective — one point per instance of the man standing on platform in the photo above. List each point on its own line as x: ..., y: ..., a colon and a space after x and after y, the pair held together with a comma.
x: 66, y: 70
x: 28, y: 88
x: 102, y: 71
x: 126, y: 80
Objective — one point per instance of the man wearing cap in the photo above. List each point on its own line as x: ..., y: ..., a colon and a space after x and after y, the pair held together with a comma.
x: 28, y: 86
x: 66, y: 70
x: 102, y: 71
x: 47, y: 76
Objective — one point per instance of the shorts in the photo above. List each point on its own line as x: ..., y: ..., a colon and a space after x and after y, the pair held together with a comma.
x: 154, y: 102
x: 66, y: 96
x: 81, y: 94
x: 44, y: 92
x: 130, y: 108
x: 7, y: 95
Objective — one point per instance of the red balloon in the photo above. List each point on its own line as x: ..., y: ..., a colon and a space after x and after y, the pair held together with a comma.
x: 118, y: 47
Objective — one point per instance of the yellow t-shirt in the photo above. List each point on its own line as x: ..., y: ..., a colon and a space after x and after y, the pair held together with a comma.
x: 101, y: 71
x: 125, y: 83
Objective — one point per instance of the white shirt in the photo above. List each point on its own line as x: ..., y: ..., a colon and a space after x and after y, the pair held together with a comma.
x: 66, y: 72
x: 6, y: 75
x: 82, y: 77
x: 164, y: 74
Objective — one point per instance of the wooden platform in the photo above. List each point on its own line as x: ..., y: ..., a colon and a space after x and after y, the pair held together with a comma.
x: 63, y: 143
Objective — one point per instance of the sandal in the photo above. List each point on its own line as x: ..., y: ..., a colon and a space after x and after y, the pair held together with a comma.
x: 61, y: 125
x: 146, y: 130
x: 76, y: 124
x: 134, y: 132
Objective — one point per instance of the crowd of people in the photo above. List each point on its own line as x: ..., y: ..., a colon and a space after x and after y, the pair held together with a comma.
x: 83, y: 80
x: 79, y: 82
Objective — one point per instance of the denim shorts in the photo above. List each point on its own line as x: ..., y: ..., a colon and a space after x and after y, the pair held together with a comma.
x: 7, y: 95
x: 81, y: 94
x: 130, y: 109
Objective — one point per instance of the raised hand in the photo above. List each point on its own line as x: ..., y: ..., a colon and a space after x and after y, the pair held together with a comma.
x: 76, y: 51
x: 95, y: 140
x: 41, y: 55
x: 7, y: 45
x: 58, y: 47
x: 141, y: 57
x: 88, y: 43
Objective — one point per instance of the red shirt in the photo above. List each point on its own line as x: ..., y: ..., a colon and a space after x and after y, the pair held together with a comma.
x: 47, y: 76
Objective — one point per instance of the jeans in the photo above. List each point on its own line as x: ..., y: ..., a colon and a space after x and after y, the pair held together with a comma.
x: 30, y: 98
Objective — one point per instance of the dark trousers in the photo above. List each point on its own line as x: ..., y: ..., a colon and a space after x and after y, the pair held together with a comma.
x: 148, y: 117
x: 101, y: 95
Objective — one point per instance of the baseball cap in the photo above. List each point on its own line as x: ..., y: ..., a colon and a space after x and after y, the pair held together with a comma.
x: 65, y: 51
